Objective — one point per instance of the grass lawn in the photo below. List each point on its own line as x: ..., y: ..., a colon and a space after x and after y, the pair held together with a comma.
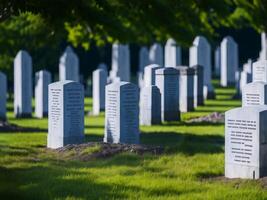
x: 191, y: 167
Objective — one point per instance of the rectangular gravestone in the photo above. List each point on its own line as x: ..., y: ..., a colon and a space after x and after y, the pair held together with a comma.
x: 254, y: 94
x: 143, y: 61
x: 217, y: 61
x: 167, y: 80
x: 66, y: 114
x: 150, y: 106
x: 156, y: 54
x: 186, y: 88
x: 122, y: 113
x: 99, y: 84
x: 23, y: 85
x: 172, y: 54
x: 42, y: 80
x: 198, y: 86
x: 149, y: 74
x: 259, y: 71
x: 3, y: 95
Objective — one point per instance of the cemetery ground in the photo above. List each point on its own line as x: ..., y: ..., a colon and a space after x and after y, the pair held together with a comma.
x: 191, y: 166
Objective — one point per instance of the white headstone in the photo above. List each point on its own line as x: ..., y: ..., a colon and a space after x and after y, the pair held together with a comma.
x: 122, y: 113
x: 120, y: 67
x: 167, y: 80
x: 3, y: 95
x: 69, y: 66
x: 150, y: 105
x: 156, y: 54
x: 23, y: 84
x: 99, y: 84
x: 186, y: 88
x: 66, y: 114
x: 200, y: 54
x: 217, y: 61
x: 149, y: 74
x: 254, y: 94
x: 42, y: 80
x: 259, y: 71
x: 172, y: 54
x: 263, y: 52
x: 229, y: 61
x: 246, y: 75
x: 198, y: 86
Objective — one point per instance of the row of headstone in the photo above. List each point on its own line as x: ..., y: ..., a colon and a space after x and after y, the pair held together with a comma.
x: 245, y: 128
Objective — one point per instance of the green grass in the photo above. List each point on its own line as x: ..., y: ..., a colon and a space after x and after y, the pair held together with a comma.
x: 193, y: 158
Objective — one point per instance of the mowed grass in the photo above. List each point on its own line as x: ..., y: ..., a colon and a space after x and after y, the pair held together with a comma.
x: 191, y: 167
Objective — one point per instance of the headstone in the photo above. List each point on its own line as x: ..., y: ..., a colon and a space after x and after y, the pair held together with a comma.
x: 259, y: 71
x: 156, y: 54
x: 66, y: 114
x: 198, y: 86
x: 150, y: 74
x: 42, y: 80
x: 263, y: 52
x: 229, y: 61
x: 217, y: 61
x: 254, y: 94
x: 120, y: 67
x: 102, y: 66
x: 246, y: 142
x: 172, y: 54
x: 246, y: 75
x: 23, y: 84
x: 150, y: 106
x: 167, y: 80
x: 99, y: 84
x: 3, y: 95
x: 186, y: 88
x: 237, y: 95
x: 69, y: 66
x: 143, y: 61
x: 200, y: 54
x: 122, y: 113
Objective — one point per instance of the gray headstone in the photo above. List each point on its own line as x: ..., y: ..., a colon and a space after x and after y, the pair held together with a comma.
x: 150, y: 105
x: 254, y: 94
x: 122, y: 113
x: 156, y: 54
x: 229, y: 61
x: 99, y: 84
x: 143, y: 61
x: 167, y: 80
x: 200, y: 54
x: 42, y: 80
x: 102, y: 66
x: 3, y: 95
x: 186, y: 88
x: 66, y: 114
x: 172, y: 54
x: 217, y: 61
x: 198, y: 86
x: 120, y: 67
x: 69, y: 66
x: 246, y: 142
x: 150, y: 74
x: 23, y: 84
x: 259, y: 71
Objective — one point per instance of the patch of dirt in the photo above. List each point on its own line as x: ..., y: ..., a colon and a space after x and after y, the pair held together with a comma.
x: 5, y: 126
x: 215, y: 117
x: 92, y: 150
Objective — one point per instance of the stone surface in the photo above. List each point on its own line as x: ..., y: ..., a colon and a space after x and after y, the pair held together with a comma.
x: 200, y: 54
x: 254, y: 94
x: 122, y: 113
x: 156, y: 54
x: 66, y: 114
x: 69, y: 66
x: 42, y: 80
x: 229, y: 61
x: 217, y: 61
x: 246, y: 75
x: 3, y: 95
x: 172, y: 54
x: 143, y: 61
x: 246, y: 142
x: 263, y: 52
x: 198, y: 86
x: 167, y: 80
x: 103, y: 66
x: 99, y: 84
x: 23, y: 84
x: 259, y: 71
x: 149, y: 74
x: 120, y: 66
x: 186, y: 88
x: 150, y: 105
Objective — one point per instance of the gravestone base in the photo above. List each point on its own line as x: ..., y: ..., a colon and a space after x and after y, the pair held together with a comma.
x: 57, y: 142
x: 171, y: 116
x: 23, y: 115
x: 189, y: 106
